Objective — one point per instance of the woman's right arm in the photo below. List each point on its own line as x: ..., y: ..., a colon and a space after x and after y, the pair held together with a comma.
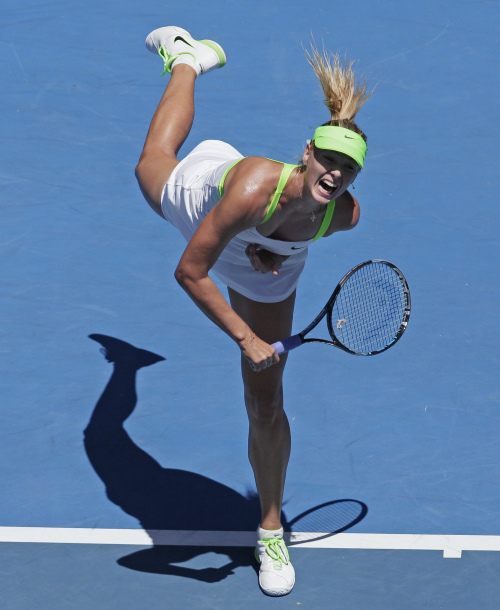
x: 243, y: 206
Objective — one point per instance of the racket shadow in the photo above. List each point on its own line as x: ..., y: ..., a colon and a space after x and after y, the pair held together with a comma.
x: 325, y: 520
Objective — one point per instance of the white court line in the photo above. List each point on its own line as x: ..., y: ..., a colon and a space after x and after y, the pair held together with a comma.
x: 451, y: 546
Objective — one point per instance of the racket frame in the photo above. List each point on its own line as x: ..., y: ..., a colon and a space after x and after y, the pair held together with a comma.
x: 300, y: 338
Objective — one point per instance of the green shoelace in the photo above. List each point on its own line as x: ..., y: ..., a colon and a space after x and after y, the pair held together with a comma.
x: 277, y: 551
x: 169, y: 58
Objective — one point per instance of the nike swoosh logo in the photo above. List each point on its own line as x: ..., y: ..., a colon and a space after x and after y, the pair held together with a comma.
x: 183, y: 40
x: 349, y: 137
x: 298, y: 248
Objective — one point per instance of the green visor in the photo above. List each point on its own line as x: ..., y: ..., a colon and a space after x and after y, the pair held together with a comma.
x: 342, y: 140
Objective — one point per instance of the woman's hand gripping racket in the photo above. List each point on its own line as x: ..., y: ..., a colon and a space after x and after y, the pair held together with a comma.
x: 366, y: 314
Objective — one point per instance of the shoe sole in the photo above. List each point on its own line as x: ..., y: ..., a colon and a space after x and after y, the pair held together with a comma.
x: 219, y: 51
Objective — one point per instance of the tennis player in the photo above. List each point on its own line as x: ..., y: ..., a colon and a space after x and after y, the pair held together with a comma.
x: 250, y: 222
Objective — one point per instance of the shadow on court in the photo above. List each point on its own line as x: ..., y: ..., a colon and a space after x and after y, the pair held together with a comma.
x: 171, y: 499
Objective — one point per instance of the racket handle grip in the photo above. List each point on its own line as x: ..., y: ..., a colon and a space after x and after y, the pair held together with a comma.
x: 287, y: 344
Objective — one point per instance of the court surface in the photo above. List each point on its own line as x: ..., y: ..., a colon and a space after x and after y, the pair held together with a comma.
x: 403, y: 448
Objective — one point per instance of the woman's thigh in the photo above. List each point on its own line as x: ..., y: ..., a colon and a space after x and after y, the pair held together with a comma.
x: 271, y: 322
x: 152, y: 173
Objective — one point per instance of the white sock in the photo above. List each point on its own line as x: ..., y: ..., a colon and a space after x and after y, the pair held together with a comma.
x: 188, y: 60
x: 264, y: 534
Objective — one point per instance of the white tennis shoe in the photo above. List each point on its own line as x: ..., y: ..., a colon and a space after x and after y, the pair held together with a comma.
x: 276, y: 574
x: 174, y: 44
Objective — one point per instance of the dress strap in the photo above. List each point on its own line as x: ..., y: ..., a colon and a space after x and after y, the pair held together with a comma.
x: 224, y: 176
x: 285, y: 175
x: 326, y: 220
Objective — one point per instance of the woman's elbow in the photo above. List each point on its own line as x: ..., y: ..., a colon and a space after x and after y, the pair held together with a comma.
x: 186, y: 277
x: 181, y: 276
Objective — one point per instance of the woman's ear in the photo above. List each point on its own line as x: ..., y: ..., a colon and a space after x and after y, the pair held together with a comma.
x: 307, y: 153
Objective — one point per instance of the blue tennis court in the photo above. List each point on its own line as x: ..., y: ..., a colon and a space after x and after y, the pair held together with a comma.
x: 129, y: 486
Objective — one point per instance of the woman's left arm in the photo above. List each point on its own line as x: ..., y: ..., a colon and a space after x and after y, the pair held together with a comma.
x: 346, y: 214
x: 263, y: 260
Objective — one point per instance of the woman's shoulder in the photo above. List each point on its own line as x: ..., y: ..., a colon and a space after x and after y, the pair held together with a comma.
x: 346, y: 214
x: 257, y: 175
x: 256, y: 163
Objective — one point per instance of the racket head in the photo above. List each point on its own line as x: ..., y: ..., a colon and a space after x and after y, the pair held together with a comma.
x: 369, y: 310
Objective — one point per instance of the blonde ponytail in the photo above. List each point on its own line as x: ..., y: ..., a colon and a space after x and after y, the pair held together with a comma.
x: 344, y: 95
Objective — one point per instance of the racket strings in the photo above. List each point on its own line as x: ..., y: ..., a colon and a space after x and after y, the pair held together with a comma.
x: 369, y: 309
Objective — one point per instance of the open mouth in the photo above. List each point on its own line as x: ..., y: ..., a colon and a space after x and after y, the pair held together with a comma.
x: 327, y: 186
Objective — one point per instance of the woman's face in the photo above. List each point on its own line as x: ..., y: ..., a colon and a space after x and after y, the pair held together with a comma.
x: 329, y: 173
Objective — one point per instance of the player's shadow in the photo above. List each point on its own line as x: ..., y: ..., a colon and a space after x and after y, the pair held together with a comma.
x: 165, y: 498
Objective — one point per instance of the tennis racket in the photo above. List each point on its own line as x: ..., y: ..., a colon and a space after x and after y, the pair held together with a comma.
x: 366, y: 314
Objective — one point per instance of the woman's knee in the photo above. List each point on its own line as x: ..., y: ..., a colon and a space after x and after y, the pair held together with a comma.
x: 264, y: 406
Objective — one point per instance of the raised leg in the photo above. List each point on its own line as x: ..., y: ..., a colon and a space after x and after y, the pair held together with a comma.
x: 185, y: 58
x: 169, y: 129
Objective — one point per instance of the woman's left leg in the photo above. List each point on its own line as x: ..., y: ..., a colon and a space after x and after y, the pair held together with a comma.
x: 269, y: 439
x: 269, y: 432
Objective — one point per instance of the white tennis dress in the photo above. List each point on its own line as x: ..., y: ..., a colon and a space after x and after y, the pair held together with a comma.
x: 193, y: 190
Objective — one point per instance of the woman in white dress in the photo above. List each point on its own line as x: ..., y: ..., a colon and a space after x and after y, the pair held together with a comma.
x: 250, y: 221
